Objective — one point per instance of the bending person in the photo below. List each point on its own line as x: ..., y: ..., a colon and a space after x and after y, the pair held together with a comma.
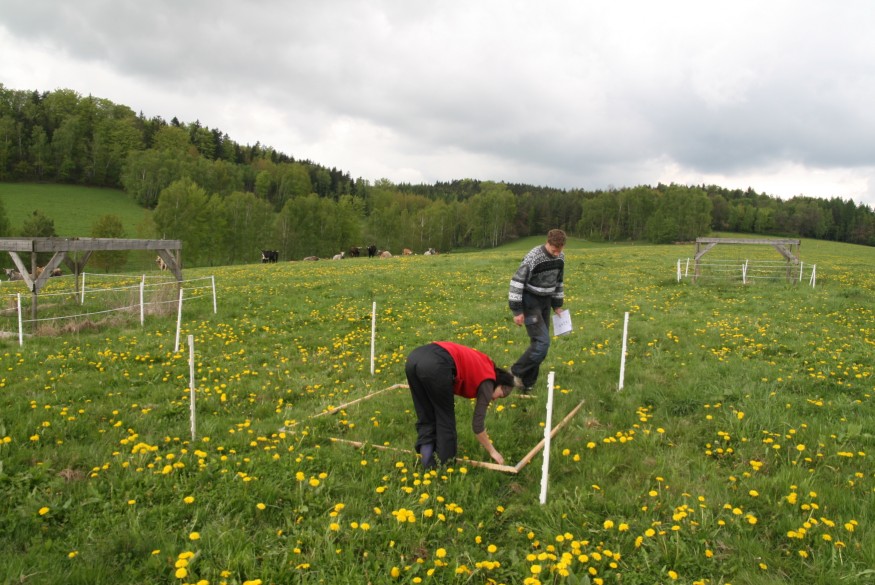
x: 438, y: 372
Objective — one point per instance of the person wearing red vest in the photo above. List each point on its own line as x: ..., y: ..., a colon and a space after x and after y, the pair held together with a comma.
x: 436, y: 373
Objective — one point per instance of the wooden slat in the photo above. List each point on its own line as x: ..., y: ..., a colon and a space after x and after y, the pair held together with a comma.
x: 471, y: 462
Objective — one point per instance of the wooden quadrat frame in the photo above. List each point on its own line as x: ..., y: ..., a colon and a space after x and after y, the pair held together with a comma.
x: 472, y: 462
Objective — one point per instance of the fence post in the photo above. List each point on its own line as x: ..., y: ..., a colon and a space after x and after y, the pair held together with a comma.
x: 142, y: 306
x: 178, y: 321
x: 191, y: 383
x: 20, y: 323
x: 215, y: 308
x: 373, y: 333
x: 545, y: 469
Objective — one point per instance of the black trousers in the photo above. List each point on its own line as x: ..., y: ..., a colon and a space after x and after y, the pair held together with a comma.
x: 537, y: 320
x: 430, y: 373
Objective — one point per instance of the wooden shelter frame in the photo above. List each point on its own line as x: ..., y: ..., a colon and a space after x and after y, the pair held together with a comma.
x: 788, y: 248
x: 75, y: 253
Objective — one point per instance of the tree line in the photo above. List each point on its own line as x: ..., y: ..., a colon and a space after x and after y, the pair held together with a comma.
x: 226, y: 201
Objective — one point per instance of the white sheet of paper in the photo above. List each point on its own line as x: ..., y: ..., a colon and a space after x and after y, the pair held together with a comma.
x: 562, y: 323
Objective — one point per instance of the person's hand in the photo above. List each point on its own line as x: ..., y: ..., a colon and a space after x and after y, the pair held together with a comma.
x: 558, y: 310
x: 498, y: 458
x: 519, y: 319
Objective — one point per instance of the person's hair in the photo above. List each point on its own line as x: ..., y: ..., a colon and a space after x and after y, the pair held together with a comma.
x: 504, y: 378
x: 556, y: 237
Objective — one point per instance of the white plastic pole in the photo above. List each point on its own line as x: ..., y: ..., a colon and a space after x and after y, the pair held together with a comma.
x: 142, y: 306
x: 800, y: 270
x: 813, y: 278
x: 82, y: 294
x: 623, y: 353
x: 178, y: 322
x: 744, y: 272
x: 679, y: 269
x: 191, y: 383
x: 20, y: 324
x: 373, y: 333
x: 687, y: 269
x: 215, y: 307
x: 547, y: 427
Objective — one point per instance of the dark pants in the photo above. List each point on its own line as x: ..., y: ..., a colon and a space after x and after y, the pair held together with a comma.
x: 430, y: 372
x: 537, y: 320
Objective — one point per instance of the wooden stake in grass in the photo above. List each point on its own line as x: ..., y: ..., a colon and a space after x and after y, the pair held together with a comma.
x: 373, y: 333
x: 545, y: 468
x: 623, y: 352
x: 191, y: 383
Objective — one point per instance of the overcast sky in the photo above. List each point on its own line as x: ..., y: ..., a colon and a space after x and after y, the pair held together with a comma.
x: 776, y: 95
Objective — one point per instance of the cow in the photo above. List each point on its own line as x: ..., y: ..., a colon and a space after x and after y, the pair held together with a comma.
x: 160, y: 262
x: 354, y: 252
x: 430, y: 252
x: 269, y: 256
x: 340, y: 256
x: 41, y: 269
x: 311, y: 258
x: 385, y: 254
x: 13, y: 274
x: 406, y: 252
x: 372, y: 250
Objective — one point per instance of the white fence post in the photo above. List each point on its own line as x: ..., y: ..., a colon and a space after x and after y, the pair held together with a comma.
x: 215, y: 307
x: 623, y: 352
x: 373, y: 333
x: 545, y: 468
x: 191, y: 383
x: 142, y: 305
x: 178, y: 322
x: 20, y: 324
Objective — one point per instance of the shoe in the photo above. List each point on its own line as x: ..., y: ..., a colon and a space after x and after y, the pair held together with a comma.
x: 518, y: 382
x: 526, y: 390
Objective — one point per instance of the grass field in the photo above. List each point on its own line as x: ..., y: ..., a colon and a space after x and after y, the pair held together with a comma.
x: 73, y: 209
x: 736, y: 453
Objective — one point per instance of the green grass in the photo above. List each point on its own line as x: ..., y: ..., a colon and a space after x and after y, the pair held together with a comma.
x: 74, y: 209
x: 737, y: 452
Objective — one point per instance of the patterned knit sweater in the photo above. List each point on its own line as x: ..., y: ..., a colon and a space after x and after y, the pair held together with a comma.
x: 539, y: 274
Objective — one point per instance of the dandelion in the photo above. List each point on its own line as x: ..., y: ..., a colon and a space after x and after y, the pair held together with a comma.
x: 260, y: 506
x: 44, y: 510
x: 194, y: 536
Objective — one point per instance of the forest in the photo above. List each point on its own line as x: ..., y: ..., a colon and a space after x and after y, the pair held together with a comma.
x: 224, y: 199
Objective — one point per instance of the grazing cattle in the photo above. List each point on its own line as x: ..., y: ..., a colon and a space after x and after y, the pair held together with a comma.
x: 340, y: 256
x: 430, y: 252
x: 385, y: 254
x: 311, y: 258
x: 160, y: 262
x: 354, y: 252
x: 41, y: 269
x: 269, y: 256
x: 406, y: 252
x: 13, y: 274
x: 372, y: 250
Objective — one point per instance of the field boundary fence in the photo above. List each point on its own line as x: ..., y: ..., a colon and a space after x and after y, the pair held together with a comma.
x: 98, y: 299
x: 747, y: 271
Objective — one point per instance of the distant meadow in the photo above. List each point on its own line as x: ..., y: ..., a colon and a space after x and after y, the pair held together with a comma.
x: 738, y: 451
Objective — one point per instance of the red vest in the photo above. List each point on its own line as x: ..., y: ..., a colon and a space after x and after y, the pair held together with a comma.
x: 472, y: 368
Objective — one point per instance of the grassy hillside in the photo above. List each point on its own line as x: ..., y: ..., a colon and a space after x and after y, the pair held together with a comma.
x: 736, y: 453
x: 74, y: 209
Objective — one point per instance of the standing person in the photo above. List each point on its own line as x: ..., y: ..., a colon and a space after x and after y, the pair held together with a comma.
x: 535, y: 289
x: 436, y: 373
